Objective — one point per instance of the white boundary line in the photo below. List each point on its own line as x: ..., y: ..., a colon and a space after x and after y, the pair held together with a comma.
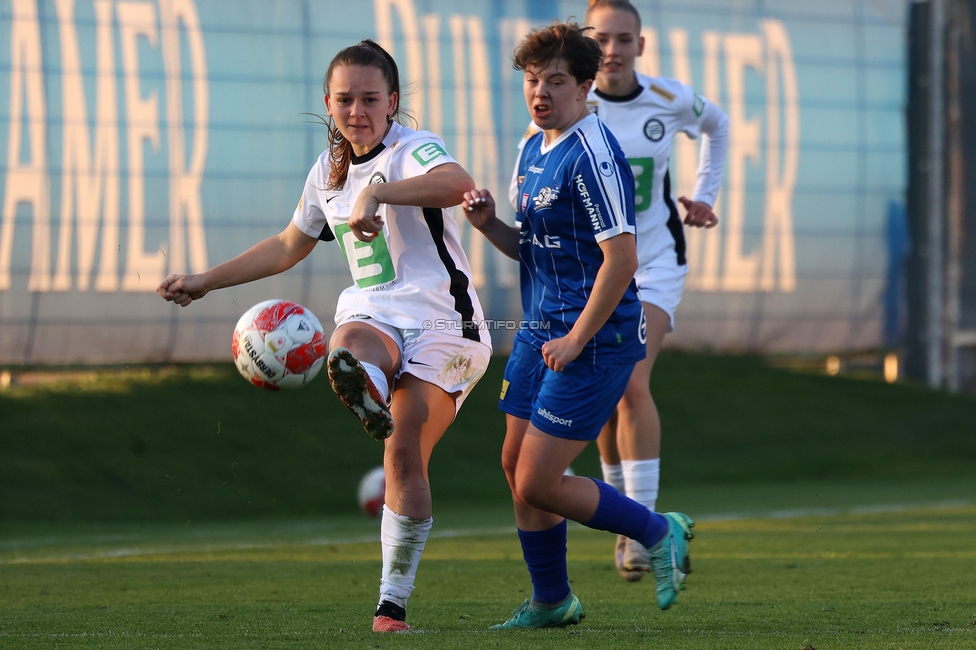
x: 459, y: 533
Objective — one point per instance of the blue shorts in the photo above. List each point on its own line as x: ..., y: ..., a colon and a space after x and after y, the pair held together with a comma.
x: 573, y: 404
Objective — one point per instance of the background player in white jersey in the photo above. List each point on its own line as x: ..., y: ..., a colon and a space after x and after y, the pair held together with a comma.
x: 645, y: 114
x: 383, y: 192
x: 574, y: 239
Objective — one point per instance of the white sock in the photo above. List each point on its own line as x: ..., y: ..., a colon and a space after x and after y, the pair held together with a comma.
x: 613, y: 475
x: 378, y: 377
x: 641, y: 480
x: 403, y: 540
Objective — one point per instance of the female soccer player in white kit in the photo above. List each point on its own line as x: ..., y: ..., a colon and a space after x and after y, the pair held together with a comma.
x: 383, y: 192
x: 645, y: 114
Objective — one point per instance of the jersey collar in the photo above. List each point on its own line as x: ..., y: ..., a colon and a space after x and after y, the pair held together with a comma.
x: 620, y: 98
x: 568, y: 132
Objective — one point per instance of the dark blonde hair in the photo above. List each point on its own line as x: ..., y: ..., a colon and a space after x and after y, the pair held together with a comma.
x: 366, y: 53
x: 567, y: 41
x: 616, y: 5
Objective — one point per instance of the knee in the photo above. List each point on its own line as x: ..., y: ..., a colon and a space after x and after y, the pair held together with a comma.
x: 638, y: 391
x: 534, y: 493
x: 403, y: 460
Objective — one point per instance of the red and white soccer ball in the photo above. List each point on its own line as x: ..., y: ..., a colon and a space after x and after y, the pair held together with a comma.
x: 372, y: 492
x: 278, y: 345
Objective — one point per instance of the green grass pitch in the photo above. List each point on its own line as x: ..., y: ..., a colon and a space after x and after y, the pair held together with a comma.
x: 871, y: 580
x: 178, y: 507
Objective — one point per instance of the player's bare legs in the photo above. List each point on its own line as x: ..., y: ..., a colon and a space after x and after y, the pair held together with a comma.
x: 542, y: 537
x: 422, y: 413
x: 544, y: 498
x: 632, y: 440
x: 607, y: 444
x: 564, y: 451
x: 638, y: 435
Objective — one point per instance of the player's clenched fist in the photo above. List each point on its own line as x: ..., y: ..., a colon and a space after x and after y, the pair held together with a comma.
x: 182, y: 289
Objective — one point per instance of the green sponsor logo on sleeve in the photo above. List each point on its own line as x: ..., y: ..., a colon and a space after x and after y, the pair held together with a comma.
x: 698, y: 106
x: 427, y: 153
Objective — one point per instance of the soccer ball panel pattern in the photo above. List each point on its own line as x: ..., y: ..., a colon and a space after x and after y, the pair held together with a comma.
x: 278, y: 345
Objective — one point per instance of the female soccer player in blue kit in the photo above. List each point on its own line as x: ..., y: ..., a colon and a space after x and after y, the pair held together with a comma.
x: 574, y: 239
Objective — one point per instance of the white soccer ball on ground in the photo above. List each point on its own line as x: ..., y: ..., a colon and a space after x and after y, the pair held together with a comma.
x: 279, y: 344
x: 372, y: 492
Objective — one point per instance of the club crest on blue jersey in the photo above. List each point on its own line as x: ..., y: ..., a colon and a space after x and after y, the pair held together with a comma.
x: 545, y: 197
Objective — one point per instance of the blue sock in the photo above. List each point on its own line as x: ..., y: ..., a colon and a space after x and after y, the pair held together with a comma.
x: 624, y: 516
x: 545, y: 555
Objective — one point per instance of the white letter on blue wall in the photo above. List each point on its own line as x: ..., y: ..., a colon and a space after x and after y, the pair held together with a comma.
x: 90, y: 183
x: 186, y: 181
x: 27, y: 180
x: 142, y: 270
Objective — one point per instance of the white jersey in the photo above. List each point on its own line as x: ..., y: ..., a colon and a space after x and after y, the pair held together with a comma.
x: 412, y: 275
x: 645, y: 124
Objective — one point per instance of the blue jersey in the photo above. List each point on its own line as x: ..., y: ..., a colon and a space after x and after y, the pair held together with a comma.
x: 573, y: 194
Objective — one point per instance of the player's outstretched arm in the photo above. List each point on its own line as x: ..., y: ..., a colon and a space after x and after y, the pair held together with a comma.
x: 479, y: 208
x: 269, y: 257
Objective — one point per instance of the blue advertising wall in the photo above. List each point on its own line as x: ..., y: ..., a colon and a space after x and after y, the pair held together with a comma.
x: 143, y: 138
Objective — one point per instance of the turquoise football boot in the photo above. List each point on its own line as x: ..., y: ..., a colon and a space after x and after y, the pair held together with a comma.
x: 670, y: 559
x: 528, y: 616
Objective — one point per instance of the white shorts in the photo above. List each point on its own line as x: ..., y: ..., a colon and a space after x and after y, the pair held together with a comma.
x: 662, y: 287
x: 452, y: 363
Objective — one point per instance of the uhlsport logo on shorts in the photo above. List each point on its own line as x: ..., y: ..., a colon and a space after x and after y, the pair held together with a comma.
x: 427, y: 153
x: 555, y: 419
